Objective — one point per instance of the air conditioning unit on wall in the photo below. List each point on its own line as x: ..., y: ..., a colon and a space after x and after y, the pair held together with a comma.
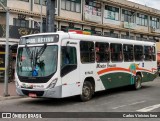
x: 153, y: 29
x: 56, y: 11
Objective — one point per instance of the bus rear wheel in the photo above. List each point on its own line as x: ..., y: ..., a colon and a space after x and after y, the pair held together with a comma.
x: 87, y: 91
x: 138, y: 82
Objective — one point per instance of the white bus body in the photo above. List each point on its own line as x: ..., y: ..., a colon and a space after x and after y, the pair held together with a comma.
x: 40, y: 71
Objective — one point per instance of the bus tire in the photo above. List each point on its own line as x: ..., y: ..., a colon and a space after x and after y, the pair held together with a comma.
x: 87, y: 91
x: 138, y: 82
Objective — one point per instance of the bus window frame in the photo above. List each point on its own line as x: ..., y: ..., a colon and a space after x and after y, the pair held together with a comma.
x: 129, y: 53
x: 90, y: 53
x: 121, y: 60
x: 135, y: 55
x: 97, y: 52
x: 67, y: 68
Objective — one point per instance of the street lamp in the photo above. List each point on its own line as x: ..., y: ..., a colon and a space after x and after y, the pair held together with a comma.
x: 40, y: 25
x: 6, y: 51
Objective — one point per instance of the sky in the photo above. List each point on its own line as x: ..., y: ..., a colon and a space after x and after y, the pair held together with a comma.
x: 151, y: 3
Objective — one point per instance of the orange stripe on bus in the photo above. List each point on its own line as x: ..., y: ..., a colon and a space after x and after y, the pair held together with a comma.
x: 121, y: 69
x: 113, y: 69
x: 143, y: 69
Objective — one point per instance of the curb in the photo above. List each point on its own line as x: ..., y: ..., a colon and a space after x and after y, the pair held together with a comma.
x: 10, y: 97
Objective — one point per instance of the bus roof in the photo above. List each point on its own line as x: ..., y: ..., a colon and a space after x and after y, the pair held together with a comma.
x: 109, y: 39
x: 74, y: 35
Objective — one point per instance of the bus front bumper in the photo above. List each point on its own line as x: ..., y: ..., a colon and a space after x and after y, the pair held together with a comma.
x: 55, y: 92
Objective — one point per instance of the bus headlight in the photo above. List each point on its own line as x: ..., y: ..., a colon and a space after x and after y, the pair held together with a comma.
x: 52, y: 84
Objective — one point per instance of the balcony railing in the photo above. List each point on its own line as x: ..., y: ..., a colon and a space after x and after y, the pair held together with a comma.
x: 16, y: 32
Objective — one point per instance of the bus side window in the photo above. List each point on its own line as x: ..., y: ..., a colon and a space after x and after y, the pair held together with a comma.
x: 87, y: 52
x: 138, y: 53
x: 153, y: 54
x: 116, y: 52
x: 68, y: 60
x: 128, y: 52
x: 147, y: 53
x: 102, y: 51
x: 68, y: 56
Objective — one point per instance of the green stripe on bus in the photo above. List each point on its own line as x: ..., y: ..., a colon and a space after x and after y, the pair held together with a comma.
x: 117, y: 79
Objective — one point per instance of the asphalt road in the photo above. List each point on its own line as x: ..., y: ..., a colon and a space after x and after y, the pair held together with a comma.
x: 123, y: 99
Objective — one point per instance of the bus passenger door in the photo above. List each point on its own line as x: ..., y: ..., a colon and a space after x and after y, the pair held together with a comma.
x: 69, y: 71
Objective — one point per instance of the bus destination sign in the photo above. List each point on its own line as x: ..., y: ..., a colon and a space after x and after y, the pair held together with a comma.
x: 39, y: 39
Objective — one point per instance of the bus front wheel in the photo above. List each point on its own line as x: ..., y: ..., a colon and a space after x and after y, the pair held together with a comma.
x: 87, y: 91
x: 138, y: 82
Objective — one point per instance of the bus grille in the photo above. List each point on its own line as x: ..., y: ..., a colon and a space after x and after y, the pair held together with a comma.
x: 38, y: 93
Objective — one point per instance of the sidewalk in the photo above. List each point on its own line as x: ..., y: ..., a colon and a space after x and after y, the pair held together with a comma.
x: 11, y: 91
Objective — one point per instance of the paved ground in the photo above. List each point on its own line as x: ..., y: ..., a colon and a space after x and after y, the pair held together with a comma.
x: 11, y: 89
x: 146, y: 99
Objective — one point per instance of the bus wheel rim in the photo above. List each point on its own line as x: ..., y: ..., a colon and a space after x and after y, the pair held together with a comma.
x: 86, y: 91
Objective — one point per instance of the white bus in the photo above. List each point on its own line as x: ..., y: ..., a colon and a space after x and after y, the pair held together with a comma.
x: 58, y: 65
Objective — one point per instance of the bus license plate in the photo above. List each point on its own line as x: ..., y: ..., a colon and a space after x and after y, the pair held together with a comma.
x: 32, y: 95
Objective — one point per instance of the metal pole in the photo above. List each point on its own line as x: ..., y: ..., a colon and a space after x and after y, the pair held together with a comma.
x: 6, y: 55
x: 50, y: 11
x: 6, y: 51
x: 129, y: 26
x: 41, y: 27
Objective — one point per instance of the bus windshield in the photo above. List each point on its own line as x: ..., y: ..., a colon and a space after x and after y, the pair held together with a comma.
x: 39, y: 61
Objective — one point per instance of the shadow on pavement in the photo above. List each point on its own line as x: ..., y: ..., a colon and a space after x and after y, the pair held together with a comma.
x: 75, y: 99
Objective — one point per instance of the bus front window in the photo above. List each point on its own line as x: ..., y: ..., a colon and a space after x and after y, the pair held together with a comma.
x: 37, y: 61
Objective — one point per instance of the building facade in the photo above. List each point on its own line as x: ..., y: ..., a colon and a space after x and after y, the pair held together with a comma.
x: 111, y: 18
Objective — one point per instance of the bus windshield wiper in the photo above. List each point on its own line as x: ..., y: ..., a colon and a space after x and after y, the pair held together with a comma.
x: 29, y: 53
x: 41, y: 51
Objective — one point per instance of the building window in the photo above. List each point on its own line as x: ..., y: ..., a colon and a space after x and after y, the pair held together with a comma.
x: 141, y: 38
x: 127, y: 36
x: 93, y: 7
x: 64, y: 28
x: 37, y: 24
x: 142, y: 19
x: 127, y: 16
x: 39, y: 2
x: 20, y: 22
x: 110, y: 34
x: 25, y: 0
x: 71, y: 5
x: 154, y: 22
x: 112, y: 13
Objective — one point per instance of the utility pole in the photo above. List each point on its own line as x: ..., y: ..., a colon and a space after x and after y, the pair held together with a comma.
x: 50, y: 11
x: 41, y: 27
x: 6, y: 51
